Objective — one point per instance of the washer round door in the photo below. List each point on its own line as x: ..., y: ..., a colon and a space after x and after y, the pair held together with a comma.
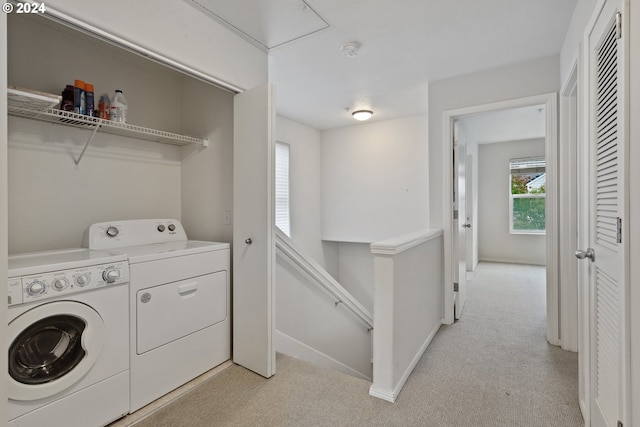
x: 51, y: 347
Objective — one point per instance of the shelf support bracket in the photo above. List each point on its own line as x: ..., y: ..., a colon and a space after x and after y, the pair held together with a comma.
x: 93, y: 134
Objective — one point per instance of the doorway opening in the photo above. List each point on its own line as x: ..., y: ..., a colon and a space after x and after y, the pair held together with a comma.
x: 545, y: 106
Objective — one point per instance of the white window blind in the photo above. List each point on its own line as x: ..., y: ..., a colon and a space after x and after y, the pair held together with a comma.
x: 283, y: 219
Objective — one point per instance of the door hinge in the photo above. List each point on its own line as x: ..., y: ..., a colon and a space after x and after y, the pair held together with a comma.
x: 619, y: 230
x: 455, y: 287
x: 618, y: 25
x: 455, y: 214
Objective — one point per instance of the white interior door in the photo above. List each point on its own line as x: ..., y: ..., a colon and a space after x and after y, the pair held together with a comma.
x: 607, y: 271
x: 460, y: 223
x: 468, y: 174
x: 253, y: 246
x: 3, y: 199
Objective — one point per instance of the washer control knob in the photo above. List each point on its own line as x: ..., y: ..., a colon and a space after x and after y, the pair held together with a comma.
x: 161, y: 228
x: 82, y: 280
x: 110, y: 274
x: 112, y: 231
x: 60, y: 284
x: 36, y: 288
x: 172, y: 227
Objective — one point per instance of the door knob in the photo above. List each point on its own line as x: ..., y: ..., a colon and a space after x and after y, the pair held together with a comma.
x: 248, y: 241
x: 467, y: 225
x: 589, y: 253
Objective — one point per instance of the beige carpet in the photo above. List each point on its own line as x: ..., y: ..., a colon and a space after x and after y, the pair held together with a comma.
x: 492, y: 368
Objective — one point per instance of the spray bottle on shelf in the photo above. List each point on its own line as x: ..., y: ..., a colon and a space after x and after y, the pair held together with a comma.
x: 88, y: 91
x: 79, y: 100
x: 104, y: 105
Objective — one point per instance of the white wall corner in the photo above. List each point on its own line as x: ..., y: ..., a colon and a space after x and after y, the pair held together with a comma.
x: 382, y: 393
x: 3, y: 198
x: 405, y: 376
x: 383, y: 324
x: 295, y: 348
x: 390, y: 394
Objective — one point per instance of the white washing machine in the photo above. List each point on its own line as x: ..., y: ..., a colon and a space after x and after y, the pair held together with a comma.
x: 179, y: 302
x: 68, y: 338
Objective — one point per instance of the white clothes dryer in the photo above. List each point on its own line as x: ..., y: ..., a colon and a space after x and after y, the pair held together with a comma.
x: 179, y: 302
x: 68, y: 338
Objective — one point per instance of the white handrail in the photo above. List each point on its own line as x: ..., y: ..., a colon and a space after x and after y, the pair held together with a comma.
x: 320, y: 276
x: 399, y: 244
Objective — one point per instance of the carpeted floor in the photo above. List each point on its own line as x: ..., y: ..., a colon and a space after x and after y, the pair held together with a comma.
x: 491, y: 368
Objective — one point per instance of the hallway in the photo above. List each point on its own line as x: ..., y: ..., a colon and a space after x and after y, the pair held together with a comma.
x: 492, y: 368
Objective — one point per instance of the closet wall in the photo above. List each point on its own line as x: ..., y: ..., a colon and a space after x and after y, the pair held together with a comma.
x: 51, y: 200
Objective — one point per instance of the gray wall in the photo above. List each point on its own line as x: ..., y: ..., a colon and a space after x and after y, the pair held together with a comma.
x: 192, y: 39
x: 305, y: 185
x: 375, y: 180
x: 52, y: 201
x: 495, y: 243
x: 207, y: 174
x: 499, y: 84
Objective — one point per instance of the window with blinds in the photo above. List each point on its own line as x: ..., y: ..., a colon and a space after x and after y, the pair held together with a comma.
x: 282, y: 205
x: 527, y: 196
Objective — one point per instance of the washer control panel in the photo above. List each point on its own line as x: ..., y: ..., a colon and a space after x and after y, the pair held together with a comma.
x: 54, y: 284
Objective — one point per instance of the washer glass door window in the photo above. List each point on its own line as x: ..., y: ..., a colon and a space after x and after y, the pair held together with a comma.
x: 47, y: 350
x: 52, y: 347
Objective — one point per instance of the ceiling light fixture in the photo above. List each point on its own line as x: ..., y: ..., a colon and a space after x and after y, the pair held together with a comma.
x: 362, y: 114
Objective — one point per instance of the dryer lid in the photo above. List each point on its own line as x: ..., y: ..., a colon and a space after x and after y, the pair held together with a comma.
x: 158, y: 251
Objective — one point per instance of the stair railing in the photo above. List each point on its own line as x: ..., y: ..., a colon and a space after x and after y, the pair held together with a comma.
x: 321, y: 277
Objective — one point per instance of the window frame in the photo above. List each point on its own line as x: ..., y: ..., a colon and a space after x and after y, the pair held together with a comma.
x: 283, y: 223
x: 512, y: 197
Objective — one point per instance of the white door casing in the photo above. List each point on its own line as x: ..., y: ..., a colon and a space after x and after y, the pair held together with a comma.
x: 253, y: 244
x: 550, y: 101
x: 459, y: 221
x: 607, y: 218
x: 568, y: 212
x: 471, y: 242
x: 3, y: 199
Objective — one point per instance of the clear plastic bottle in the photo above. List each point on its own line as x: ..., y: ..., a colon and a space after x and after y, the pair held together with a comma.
x: 119, y: 110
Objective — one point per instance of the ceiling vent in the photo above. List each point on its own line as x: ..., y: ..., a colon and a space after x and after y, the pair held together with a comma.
x: 270, y: 24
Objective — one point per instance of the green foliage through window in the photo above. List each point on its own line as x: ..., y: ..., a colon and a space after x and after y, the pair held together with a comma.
x: 527, y: 198
x: 529, y: 213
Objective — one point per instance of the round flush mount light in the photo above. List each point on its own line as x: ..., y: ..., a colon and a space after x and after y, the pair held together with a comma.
x: 362, y: 114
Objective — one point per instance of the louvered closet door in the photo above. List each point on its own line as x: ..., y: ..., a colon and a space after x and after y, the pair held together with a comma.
x: 607, y: 272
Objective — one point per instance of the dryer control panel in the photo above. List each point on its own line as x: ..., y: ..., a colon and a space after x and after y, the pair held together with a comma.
x: 54, y: 284
x: 135, y: 232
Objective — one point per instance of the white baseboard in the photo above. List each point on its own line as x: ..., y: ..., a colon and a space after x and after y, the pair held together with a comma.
x: 391, y: 395
x: 294, y: 348
x: 511, y: 261
x: 384, y: 394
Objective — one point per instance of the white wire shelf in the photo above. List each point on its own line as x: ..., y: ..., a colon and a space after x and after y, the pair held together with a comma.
x: 22, y: 103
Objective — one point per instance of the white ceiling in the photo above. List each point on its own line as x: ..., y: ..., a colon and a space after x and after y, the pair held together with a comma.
x: 404, y: 45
